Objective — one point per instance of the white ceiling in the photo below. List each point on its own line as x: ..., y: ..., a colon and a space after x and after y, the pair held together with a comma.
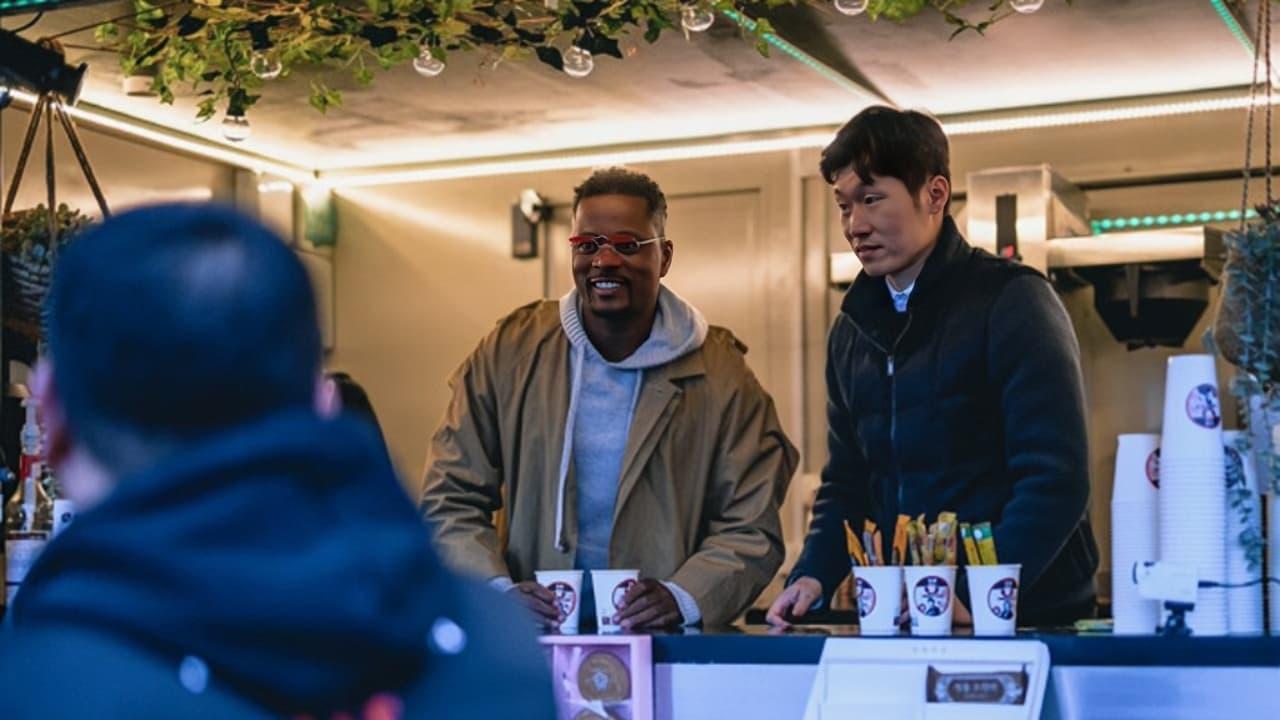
x: 716, y: 84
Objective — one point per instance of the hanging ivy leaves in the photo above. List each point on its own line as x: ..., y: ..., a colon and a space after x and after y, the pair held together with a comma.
x: 189, y: 25
x: 210, y: 43
x: 550, y: 56
x: 378, y: 35
x: 598, y: 44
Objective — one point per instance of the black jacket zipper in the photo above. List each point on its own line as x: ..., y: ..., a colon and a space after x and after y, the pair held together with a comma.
x: 893, y: 409
x: 893, y: 397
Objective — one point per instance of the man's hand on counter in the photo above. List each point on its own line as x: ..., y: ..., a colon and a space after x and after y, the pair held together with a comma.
x: 538, y: 599
x: 795, y: 601
x: 648, y: 604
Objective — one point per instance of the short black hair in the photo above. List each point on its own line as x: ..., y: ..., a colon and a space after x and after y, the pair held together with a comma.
x: 905, y: 144
x: 621, y: 181
x: 173, y: 322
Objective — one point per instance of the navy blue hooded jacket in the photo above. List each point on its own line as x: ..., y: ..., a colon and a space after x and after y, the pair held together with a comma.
x: 278, y: 570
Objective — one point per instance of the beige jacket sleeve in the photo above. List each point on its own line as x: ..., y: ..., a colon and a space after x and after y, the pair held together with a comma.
x: 462, y: 488
x: 743, y: 548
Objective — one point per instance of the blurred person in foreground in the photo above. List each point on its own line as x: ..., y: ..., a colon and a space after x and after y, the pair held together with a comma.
x: 238, y: 553
x: 341, y: 393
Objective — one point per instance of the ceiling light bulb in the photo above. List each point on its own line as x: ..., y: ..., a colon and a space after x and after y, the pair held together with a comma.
x: 236, y: 128
x: 696, y: 18
x: 1026, y: 7
x: 851, y: 7
x: 578, y: 63
x: 426, y: 64
x: 265, y: 65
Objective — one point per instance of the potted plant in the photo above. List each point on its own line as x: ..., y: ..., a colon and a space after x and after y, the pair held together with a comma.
x: 28, y: 254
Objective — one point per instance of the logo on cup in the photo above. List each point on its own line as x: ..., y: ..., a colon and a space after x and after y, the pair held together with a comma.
x: 866, y: 597
x: 566, y: 597
x: 620, y: 591
x: 1002, y: 598
x: 1202, y: 406
x: 932, y: 596
x: 1153, y: 468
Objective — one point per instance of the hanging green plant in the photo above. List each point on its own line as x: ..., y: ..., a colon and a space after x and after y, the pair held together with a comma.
x: 28, y: 263
x: 227, y: 50
x: 1246, y: 329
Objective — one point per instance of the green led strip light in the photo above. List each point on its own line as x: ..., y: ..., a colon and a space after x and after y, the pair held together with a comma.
x: 28, y: 5
x: 1233, y: 25
x: 1147, y: 222
x: 21, y: 7
x: 797, y: 54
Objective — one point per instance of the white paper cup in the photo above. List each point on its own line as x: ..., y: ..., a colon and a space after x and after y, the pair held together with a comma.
x: 21, y: 551
x: 1137, y: 475
x: 993, y: 598
x: 609, y: 587
x: 879, y: 596
x: 64, y: 511
x: 1192, y: 410
x: 1134, y: 539
x: 567, y: 586
x: 931, y: 596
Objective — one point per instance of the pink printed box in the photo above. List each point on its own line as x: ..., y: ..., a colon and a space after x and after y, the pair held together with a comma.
x: 601, y: 677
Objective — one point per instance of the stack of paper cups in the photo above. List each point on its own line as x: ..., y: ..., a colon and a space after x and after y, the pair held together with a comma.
x: 1244, y: 515
x: 1135, y: 531
x: 1192, y: 497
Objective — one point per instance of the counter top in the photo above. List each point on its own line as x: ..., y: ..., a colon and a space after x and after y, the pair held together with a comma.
x: 753, y: 644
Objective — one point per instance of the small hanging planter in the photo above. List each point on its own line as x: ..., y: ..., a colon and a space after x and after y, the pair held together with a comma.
x: 28, y: 264
x: 1246, y: 330
x: 30, y: 239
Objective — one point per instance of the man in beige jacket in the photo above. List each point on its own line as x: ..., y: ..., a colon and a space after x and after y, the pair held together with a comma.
x: 613, y: 429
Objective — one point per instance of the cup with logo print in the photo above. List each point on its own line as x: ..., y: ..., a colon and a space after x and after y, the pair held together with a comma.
x: 931, y: 598
x: 566, y: 585
x: 1191, y: 432
x: 993, y: 598
x: 610, y: 586
x: 879, y: 594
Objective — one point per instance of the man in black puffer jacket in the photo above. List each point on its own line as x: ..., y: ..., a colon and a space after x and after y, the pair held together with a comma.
x: 953, y: 383
x: 238, y: 553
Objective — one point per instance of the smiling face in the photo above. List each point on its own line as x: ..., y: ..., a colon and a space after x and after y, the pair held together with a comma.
x: 616, y: 287
x: 891, y: 229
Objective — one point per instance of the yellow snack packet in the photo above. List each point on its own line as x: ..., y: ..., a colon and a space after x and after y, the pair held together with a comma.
x: 853, y: 545
x: 970, y: 547
x: 986, y: 542
x: 900, y: 540
x: 945, y: 548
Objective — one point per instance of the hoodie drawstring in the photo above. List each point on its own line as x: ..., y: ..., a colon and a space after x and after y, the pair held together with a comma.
x: 566, y: 452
